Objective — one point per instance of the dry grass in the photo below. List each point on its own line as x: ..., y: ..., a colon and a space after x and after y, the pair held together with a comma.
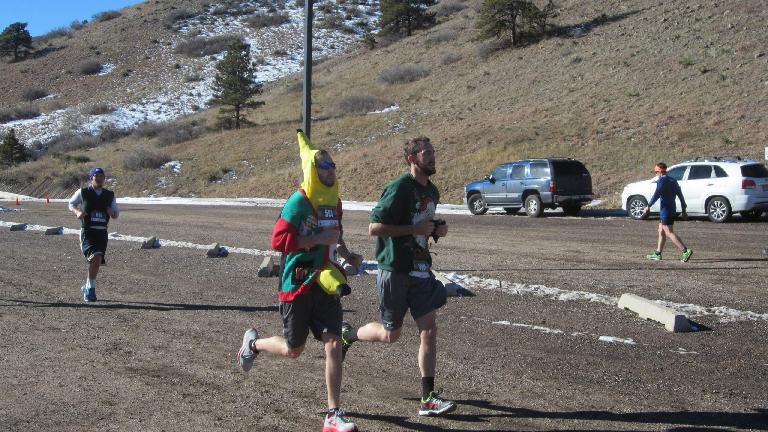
x: 626, y: 103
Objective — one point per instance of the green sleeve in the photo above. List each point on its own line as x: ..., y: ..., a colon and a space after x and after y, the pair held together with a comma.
x: 391, y: 206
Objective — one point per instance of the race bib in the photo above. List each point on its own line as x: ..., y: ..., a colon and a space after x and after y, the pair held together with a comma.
x: 327, y: 218
x: 99, y: 217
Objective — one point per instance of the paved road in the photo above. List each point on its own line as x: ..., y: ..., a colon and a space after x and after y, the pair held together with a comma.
x: 157, y: 352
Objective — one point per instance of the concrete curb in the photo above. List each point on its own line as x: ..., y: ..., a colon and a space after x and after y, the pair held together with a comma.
x: 673, y: 320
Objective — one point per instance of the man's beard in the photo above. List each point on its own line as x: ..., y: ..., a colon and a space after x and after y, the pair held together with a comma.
x: 426, y: 170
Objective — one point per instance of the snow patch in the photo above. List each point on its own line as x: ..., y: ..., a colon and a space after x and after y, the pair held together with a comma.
x: 174, y: 166
x: 106, y: 69
x: 613, y: 339
x: 390, y: 108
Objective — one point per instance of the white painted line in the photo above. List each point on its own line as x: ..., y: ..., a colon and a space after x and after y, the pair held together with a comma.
x: 673, y: 320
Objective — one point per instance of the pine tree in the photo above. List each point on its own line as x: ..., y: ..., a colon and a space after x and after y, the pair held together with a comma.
x: 12, y: 152
x: 506, y: 18
x: 15, y: 40
x: 235, y: 85
x: 405, y: 16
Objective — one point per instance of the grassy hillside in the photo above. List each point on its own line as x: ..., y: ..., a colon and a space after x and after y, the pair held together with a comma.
x: 620, y: 86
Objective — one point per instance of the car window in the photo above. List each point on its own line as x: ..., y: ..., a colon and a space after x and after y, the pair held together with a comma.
x: 719, y: 172
x: 539, y: 170
x: 518, y: 171
x: 569, y: 168
x: 501, y: 172
x: 754, y: 170
x: 677, y: 172
x: 700, y: 172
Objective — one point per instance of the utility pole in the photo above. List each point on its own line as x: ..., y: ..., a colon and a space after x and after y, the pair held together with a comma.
x: 308, y: 17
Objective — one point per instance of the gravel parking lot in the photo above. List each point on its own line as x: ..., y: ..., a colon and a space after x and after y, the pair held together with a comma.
x: 541, y: 346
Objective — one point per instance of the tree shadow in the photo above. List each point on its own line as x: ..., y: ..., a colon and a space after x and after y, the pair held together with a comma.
x: 45, y: 51
x: 150, y: 306
x: 686, y: 420
x: 583, y: 28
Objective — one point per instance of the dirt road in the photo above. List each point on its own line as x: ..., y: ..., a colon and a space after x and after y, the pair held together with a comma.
x: 157, y: 351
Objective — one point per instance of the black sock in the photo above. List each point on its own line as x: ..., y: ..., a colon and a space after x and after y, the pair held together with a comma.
x: 427, y: 386
x: 332, y: 410
x: 351, y: 336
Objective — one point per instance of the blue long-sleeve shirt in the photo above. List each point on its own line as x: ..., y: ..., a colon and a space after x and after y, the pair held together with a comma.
x: 667, y: 189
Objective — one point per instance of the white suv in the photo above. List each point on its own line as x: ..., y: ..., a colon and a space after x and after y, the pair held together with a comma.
x: 715, y: 187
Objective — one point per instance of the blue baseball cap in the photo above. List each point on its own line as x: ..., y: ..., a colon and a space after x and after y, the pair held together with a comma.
x: 93, y: 171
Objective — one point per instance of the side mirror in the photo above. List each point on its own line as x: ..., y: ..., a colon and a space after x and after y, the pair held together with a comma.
x: 490, y: 178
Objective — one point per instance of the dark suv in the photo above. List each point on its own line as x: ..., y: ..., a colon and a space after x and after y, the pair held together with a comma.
x: 534, y: 184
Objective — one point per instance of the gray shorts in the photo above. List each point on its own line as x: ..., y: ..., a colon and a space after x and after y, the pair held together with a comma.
x: 399, y: 292
x: 314, y: 310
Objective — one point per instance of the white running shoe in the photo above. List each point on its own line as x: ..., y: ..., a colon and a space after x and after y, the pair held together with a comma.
x: 336, y: 421
x: 246, y: 355
x: 434, y: 405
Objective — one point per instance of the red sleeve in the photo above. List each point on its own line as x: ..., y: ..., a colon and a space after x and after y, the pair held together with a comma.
x: 285, y: 238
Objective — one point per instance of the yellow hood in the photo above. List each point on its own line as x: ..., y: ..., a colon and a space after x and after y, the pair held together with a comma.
x: 318, y: 193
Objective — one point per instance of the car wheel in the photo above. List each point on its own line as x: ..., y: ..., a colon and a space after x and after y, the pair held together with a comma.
x: 533, y: 206
x: 571, y: 210
x: 718, y: 209
x: 635, y: 207
x: 476, y: 204
x: 511, y: 210
x: 751, y: 215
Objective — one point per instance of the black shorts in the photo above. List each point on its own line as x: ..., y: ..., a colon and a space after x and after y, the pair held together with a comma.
x: 399, y: 292
x: 314, y: 310
x: 93, y: 243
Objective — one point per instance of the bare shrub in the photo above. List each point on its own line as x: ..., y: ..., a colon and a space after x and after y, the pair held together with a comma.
x: 34, y: 93
x: 78, y: 25
x: 110, y: 133
x: 441, y: 36
x: 195, y: 77
x: 55, y: 33
x: 100, y: 109
x: 449, y: 58
x: 143, y: 158
x: 447, y: 8
x: 404, y: 73
x: 260, y: 21
x: 174, y: 133
x: 89, y: 67
x: 357, y: 104
x: 18, y: 113
x: 332, y: 21
x: 178, y: 15
x: 70, y: 180
x: 68, y: 142
x: 149, y: 129
x: 106, y: 15
x: 201, y: 47
x: 486, y: 49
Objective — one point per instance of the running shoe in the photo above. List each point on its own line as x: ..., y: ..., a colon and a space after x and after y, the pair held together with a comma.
x: 246, y: 355
x: 654, y: 256
x: 686, y: 255
x: 335, y: 421
x: 345, y: 343
x: 434, y: 405
x: 89, y: 294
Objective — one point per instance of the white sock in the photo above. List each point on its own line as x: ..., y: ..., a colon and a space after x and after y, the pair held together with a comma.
x: 91, y: 283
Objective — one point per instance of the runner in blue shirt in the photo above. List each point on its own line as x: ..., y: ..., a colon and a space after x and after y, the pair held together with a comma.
x: 667, y: 190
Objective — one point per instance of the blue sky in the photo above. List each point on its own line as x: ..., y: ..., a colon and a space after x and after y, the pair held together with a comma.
x: 44, y: 15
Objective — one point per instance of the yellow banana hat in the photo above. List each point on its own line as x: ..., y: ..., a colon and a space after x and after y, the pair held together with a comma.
x: 320, y: 195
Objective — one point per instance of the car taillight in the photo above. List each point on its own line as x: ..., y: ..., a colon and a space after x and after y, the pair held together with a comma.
x: 748, y: 184
x: 551, y: 186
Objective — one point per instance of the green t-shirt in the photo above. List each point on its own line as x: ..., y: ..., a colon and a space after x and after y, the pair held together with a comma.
x: 405, y: 202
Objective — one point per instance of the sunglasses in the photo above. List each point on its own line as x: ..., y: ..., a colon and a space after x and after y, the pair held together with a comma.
x: 325, y: 165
